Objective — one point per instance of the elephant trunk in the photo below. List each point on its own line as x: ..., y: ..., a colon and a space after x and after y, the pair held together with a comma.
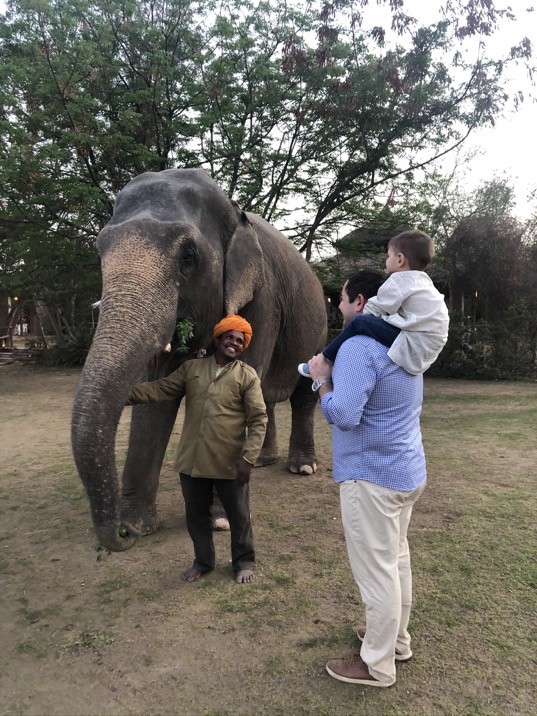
x: 137, y: 319
x: 99, y: 402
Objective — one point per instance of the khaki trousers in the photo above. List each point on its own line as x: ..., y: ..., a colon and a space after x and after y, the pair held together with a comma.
x: 375, y: 520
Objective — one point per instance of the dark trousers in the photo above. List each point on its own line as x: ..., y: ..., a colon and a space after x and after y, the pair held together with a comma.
x: 235, y: 498
x: 365, y: 325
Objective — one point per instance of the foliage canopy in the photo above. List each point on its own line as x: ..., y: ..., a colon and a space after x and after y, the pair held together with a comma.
x: 285, y: 104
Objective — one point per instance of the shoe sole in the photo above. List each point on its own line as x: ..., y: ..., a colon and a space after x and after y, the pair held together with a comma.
x: 362, y: 682
x: 398, y: 655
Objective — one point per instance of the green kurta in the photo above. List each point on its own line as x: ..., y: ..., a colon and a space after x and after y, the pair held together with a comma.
x: 225, y: 416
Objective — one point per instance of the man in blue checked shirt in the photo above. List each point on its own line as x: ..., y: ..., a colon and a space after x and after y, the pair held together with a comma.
x: 374, y: 407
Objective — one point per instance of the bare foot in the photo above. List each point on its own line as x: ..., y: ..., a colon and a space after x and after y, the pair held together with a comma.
x: 221, y: 523
x: 244, y: 576
x: 192, y: 574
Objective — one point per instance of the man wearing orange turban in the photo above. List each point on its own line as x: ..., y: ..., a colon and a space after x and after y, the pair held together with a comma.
x: 223, y: 432
x: 234, y: 323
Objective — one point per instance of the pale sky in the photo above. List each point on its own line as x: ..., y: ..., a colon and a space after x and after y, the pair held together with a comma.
x: 510, y: 147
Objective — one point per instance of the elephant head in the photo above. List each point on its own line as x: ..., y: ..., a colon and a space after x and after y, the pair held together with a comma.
x: 176, y: 247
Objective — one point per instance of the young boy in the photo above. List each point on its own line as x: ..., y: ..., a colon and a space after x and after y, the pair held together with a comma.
x: 408, y: 314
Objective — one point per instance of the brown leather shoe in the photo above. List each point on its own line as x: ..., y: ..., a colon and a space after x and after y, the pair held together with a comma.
x: 360, y: 633
x: 353, y: 670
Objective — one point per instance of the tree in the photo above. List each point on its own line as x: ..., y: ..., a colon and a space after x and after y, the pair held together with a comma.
x: 392, y: 112
x: 93, y: 92
x: 487, y: 261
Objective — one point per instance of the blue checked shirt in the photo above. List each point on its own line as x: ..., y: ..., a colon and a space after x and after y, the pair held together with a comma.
x: 375, y: 411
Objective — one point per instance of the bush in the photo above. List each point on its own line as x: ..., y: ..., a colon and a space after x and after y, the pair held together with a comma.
x: 490, y: 351
x: 73, y: 351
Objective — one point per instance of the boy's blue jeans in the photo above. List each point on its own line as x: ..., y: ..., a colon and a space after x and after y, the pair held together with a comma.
x: 364, y: 325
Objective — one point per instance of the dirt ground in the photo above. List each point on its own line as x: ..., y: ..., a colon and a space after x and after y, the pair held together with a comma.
x: 84, y: 632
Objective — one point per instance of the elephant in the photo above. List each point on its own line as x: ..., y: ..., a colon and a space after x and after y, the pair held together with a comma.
x: 176, y: 248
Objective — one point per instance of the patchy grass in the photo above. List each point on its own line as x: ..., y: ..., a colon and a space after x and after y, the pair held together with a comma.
x: 126, y: 635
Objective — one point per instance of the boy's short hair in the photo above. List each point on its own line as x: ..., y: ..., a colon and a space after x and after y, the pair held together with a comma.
x: 365, y: 282
x: 416, y: 246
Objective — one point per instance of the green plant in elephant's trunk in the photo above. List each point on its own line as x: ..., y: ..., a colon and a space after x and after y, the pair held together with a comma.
x: 184, y: 330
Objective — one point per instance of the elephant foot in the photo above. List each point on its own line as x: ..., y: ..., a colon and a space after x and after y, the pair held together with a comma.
x: 267, y: 457
x: 116, y: 537
x: 149, y: 528
x: 145, y: 522
x: 302, y: 467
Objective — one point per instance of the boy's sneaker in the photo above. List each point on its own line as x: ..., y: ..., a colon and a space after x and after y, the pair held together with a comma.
x: 304, y: 370
x: 399, y: 656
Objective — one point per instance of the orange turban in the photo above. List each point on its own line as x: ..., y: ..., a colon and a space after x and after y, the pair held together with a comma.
x: 234, y: 323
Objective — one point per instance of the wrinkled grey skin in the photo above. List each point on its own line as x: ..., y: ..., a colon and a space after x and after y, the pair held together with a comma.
x: 177, y: 247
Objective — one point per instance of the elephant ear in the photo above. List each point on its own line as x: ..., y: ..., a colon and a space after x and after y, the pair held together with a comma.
x: 244, y: 271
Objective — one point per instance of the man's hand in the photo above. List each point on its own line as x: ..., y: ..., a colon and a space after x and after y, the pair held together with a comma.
x: 320, y: 368
x: 243, y: 471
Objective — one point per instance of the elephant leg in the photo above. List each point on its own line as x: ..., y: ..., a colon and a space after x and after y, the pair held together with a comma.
x: 302, y: 458
x: 269, y: 452
x: 151, y: 427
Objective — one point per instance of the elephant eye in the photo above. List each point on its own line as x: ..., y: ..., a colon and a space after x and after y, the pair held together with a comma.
x: 188, y: 257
